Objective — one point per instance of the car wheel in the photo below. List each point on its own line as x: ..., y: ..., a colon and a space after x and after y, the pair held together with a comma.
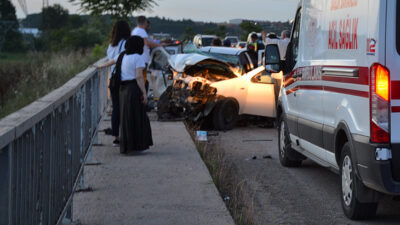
x: 163, y: 104
x: 225, y: 114
x: 352, y: 208
x: 288, y: 157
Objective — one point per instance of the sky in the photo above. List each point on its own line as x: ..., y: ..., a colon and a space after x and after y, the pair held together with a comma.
x: 203, y: 10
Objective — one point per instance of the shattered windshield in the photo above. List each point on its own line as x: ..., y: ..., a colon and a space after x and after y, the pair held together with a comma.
x: 206, y: 42
x: 232, y: 59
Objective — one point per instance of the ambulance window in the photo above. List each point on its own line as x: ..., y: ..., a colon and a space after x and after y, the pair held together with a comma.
x: 296, y: 35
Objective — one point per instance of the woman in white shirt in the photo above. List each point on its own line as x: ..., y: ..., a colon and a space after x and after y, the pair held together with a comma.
x: 120, y: 33
x: 135, y: 133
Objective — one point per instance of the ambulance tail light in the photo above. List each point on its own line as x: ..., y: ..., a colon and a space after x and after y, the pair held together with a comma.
x: 379, y: 104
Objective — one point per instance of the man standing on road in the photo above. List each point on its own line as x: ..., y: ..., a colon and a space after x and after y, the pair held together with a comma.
x: 140, y: 30
x: 282, y: 43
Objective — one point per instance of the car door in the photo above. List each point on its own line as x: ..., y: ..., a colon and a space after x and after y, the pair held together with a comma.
x: 260, y: 98
x: 158, y: 71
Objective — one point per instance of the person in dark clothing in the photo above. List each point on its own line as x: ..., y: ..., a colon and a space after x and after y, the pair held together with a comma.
x: 121, y: 31
x: 253, y: 47
x: 227, y: 43
x: 216, y: 42
x: 135, y: 133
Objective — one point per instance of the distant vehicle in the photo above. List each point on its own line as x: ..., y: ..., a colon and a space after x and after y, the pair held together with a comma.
x: 159, y: 37
x: 233, y: 39
x: 201, y: 40
x: 241, y: 44
x: 340, y: 101
x: 237, y: 57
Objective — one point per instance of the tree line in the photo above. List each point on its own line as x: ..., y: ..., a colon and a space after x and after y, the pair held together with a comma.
x: 61, y: 30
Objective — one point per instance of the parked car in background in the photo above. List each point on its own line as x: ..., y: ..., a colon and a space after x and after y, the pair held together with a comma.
x: 201, y: 40
x: 233, y: 39
x: 340, y: 101
x: 241, y: 44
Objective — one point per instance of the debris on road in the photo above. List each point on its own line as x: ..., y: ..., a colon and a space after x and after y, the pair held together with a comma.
x: 201, y: 135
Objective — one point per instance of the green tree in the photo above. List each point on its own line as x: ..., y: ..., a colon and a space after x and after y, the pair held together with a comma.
x: 248, y: 27
x: 117, y: 8
x: 10, y: 38
x: 188, y: 34
x: 54, y: 17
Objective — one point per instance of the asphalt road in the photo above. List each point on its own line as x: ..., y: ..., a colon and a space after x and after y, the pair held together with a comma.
x: 305, y: 195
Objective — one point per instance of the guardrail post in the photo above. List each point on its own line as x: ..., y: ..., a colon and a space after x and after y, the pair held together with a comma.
x: 5, y: 185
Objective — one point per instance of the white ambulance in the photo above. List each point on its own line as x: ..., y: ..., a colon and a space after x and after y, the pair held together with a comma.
x: 340, y: 99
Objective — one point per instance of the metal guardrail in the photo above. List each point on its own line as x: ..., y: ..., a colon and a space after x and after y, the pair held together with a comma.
x: 43, y: 148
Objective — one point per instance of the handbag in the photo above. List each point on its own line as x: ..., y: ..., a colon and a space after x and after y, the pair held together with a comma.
x: 115, y: 80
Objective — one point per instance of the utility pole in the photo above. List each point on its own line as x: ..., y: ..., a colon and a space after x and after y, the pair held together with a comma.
x: 45, y: 3
x: 24, y: 8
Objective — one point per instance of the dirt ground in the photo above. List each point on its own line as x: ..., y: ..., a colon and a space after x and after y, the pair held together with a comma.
x: 305, y: 195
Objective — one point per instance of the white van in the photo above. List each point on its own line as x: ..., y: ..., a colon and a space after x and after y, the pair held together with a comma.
x: 340, y: 99
x: 201, y: 40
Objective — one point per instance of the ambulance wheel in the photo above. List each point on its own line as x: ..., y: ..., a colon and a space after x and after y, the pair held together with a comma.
x: 288, y: 157
x: 352, y: 208
x: 225, y: 114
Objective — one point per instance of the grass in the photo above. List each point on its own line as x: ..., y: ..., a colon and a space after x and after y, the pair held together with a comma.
x: 27, y: 77
x: 233, y: 191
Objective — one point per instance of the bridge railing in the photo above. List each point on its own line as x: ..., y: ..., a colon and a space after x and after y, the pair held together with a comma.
x: 43, y: 149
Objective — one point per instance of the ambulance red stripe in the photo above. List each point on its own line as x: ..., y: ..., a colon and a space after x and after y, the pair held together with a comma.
x: 362, y: 79
x: 395, y: 89
x: 396, y: 109
x: 363, y: 94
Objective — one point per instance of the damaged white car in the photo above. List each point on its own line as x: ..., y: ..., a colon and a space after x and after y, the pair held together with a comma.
x: 205, y: 88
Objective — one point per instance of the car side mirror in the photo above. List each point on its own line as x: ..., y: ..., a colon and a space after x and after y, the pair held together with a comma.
x: 272, y: 58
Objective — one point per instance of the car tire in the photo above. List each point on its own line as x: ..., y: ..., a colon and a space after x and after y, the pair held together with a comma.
x: 288, y: 157
x: 225, y: 114
x: 352, y: 208
x: 163, y: 104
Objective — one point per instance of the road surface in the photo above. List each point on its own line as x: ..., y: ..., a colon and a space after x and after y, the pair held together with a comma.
x: 305, y: 195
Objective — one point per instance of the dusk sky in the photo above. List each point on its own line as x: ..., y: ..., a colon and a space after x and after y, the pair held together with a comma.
x: 204, y: 10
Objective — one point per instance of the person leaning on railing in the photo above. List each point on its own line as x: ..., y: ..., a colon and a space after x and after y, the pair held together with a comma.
x: 135, y: 135
x: 121, y: 31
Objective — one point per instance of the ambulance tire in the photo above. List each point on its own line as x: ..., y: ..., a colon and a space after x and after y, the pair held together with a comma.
x: 352, y: 207
x: 288, y: 157
x: 225, y: 114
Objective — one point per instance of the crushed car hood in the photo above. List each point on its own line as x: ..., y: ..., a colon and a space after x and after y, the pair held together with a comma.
x: 181, y: 62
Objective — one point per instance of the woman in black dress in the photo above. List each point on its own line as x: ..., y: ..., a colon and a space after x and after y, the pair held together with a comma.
x: 135, y: 135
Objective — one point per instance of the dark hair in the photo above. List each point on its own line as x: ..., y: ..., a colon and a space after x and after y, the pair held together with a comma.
x: 254, y: 36
x: 227, y: 43
x: 216, y: 42
x: 141, y: 20
x: 272, y: 36
x: 134, y: 45
x: 120, y: 30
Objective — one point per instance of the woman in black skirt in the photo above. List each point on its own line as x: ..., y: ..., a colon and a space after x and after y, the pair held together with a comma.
x: 135, y: 135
